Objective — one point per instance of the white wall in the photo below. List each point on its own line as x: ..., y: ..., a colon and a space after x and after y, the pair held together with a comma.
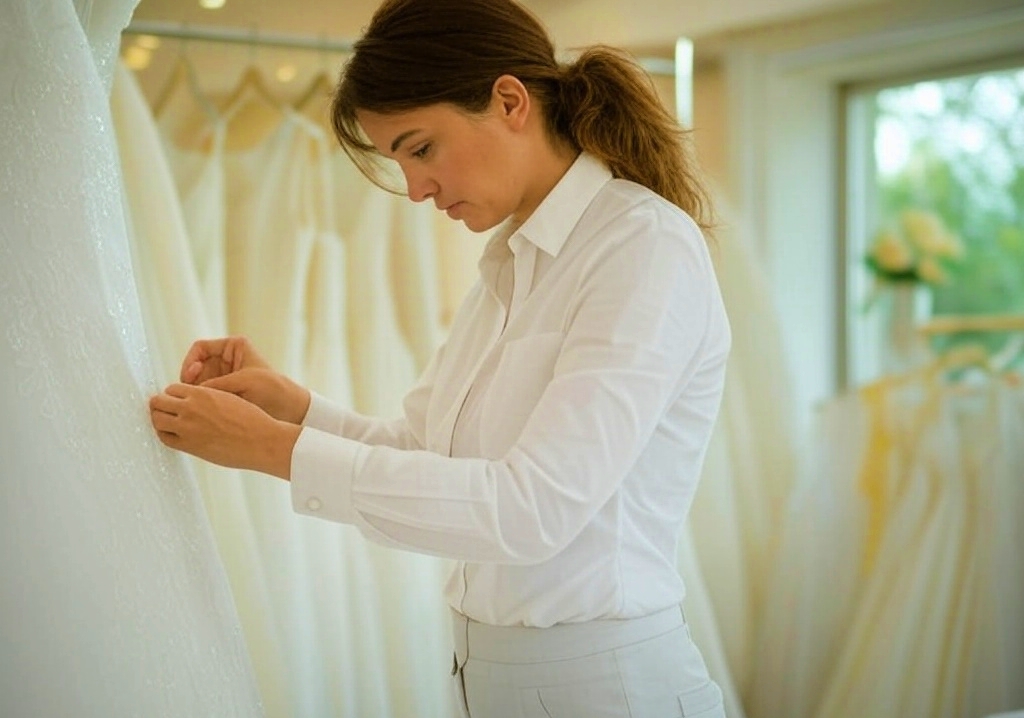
x: 785, y: 163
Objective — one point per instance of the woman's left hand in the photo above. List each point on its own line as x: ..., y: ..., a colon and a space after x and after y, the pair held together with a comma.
x: 223, y: 428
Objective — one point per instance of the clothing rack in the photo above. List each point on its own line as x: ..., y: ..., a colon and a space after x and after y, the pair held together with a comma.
x: 948, y: 324
x: 254, y: 37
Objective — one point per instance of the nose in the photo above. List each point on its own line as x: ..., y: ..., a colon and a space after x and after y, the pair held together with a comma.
x: 419, y: 186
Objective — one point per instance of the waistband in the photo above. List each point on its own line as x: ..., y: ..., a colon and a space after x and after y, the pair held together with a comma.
x: 564, y: 641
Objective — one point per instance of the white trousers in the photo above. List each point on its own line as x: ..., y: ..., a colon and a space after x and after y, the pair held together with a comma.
x: 638, y: 668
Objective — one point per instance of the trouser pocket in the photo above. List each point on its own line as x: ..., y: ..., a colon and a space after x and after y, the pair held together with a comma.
x: 459, y: 688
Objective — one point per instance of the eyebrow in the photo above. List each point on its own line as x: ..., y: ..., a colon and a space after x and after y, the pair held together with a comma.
x: 402, y: 138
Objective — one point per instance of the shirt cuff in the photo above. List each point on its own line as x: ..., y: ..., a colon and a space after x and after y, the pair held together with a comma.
x: 323, y: 414
x: 323, y: 468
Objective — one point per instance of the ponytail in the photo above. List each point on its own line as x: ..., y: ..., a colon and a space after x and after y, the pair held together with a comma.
x: 607, y: 106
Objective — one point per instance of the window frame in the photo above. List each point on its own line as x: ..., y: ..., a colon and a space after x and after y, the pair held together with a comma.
x: 858, y: 219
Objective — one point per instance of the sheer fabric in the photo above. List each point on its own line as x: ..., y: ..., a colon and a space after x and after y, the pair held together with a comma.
x: 351, y: 626
x: 899, y: 591
x: 750, y: 466
x: 114, y: 600
x: 172, y: 297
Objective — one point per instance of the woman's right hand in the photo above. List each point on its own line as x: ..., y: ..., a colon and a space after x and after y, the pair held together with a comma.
x: 233, y: 365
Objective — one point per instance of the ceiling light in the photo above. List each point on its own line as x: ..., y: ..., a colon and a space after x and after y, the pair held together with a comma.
x: 211, y: 4
x: 137, y: 58
x: 149, y: 42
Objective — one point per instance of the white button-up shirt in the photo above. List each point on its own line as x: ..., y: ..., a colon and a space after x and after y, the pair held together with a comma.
x: 553, y: 445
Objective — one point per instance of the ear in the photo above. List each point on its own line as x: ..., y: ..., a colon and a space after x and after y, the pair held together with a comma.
x: 511, y: 101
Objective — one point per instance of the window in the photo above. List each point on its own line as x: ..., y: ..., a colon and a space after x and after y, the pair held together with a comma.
x: 948, y: 152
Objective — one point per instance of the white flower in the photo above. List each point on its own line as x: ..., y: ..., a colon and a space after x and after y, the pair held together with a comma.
x: 891, y: 253
x: 929, y: 270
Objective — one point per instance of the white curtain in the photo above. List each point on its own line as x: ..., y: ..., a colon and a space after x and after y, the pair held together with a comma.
x: 114, y: 601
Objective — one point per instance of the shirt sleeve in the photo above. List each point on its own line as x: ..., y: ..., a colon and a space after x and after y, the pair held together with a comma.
x: 637, y: 331
x: 405, y: 432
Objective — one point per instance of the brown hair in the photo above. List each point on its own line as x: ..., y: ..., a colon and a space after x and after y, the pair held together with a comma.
x: 421, y: 52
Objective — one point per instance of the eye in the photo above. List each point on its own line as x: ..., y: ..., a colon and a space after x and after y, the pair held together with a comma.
x: 422, y: 151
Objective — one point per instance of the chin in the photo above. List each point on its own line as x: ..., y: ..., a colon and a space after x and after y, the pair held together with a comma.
x: 481, y: 224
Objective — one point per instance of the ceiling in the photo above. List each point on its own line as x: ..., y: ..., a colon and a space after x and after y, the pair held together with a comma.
x: 646, y: 27
x: 648, y: 24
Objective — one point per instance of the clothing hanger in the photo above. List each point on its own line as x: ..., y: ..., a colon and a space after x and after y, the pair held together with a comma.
x: 320, y: 88
x: 178, y: 75
x: 251, y: 111
x: 191, y: 128
x: 250, y: 87
x: 996, y: 363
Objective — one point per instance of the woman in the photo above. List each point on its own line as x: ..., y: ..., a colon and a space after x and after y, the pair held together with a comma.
x: 554, y: 443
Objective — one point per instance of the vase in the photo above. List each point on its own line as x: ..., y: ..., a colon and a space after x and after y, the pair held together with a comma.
x: 907, y: 306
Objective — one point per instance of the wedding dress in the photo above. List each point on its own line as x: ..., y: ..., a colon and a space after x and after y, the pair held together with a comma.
x: 944, y: 557
x: 899, y: 591
x: 415, y: 282
x: 175, y: 313
x: 821, y: 567
x: 750, y: 466
x: 412, y: 606
x: 199, y: 180
x: 113, y: 600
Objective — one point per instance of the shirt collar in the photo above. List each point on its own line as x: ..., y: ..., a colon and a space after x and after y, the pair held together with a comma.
x: 551, y: 223
x: 555, y: 217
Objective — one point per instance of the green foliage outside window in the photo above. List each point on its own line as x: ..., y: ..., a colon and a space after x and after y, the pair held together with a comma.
x: 955, y: 148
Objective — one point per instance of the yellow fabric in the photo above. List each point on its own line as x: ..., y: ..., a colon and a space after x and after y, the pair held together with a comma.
x: 874, y: 474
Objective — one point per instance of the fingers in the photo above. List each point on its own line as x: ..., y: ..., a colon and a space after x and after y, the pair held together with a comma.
x: 168, y: 439
x: 234, y: 383
x: 179, y: 391
x: 190, y: 372
x: 198, y: 353
x: 210, y: 358
x: 171, y: 400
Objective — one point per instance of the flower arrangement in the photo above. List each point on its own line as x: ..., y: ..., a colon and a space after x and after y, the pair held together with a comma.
x: 917, y: 248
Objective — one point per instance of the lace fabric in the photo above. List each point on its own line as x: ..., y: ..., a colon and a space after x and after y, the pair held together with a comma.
x: 118, y: 601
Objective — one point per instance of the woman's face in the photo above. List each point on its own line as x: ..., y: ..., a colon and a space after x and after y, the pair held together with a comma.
x: 467, y: 164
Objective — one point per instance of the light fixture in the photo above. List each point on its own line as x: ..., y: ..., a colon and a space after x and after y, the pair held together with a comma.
x: 149, y: 42
x: 211, y: 4
x: 286, y: 73
x: 137, y: 58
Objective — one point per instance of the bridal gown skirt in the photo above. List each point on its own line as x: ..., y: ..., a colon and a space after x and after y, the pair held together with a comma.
x: 114, y: 600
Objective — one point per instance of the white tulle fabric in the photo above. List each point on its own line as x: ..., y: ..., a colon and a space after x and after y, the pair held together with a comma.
x: 172, y: 296
x: 114, y: 600
x: 750, y: 464
x: 337, y: 626
x: 899, y: 591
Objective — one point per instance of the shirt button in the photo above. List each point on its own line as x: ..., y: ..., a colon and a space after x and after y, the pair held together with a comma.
x: 314, y: 504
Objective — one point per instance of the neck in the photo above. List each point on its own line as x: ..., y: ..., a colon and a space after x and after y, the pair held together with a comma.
x: 548, y: 168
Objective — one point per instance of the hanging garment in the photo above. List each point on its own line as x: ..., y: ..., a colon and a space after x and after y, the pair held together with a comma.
x: 383, y: 369
x: 939, y: 558
x: 458, y: 250
x: 175, y: 314
x: 415, y: 281
x: 896, y: 593
x: 819, y: 573
x: 751, y: 464
x: 705, y: 626
x: 114, y: 601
